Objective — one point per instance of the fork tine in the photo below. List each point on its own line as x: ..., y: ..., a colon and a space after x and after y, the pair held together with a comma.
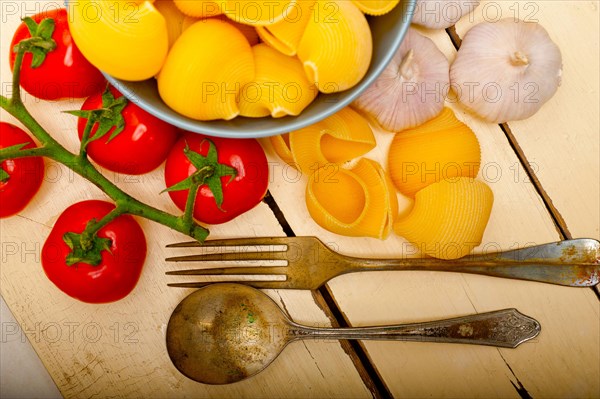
x: 233, y: 242
x: 223, y: 271
x: 256, y: 284
x: 230, y: 256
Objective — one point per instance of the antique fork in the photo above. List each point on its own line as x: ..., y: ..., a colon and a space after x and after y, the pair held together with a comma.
x: 307, y: 263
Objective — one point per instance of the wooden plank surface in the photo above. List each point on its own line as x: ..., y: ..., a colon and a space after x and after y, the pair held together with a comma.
x: 563, y: 362
x: 118, y: 349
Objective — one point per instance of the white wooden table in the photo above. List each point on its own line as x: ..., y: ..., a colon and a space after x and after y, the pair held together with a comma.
x: 544, y: 173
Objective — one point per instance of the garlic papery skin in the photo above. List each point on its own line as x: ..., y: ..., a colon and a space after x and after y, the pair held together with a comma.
x: 412, y: 89
x: 506, y: 70
x: 441, y: 14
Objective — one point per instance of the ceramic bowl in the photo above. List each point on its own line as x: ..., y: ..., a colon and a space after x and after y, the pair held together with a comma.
x: 387, y: 31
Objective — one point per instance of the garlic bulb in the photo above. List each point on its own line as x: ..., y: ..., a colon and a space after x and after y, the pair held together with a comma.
x: 506, y: 70
x: 441, y: 14
x: 412, y: 89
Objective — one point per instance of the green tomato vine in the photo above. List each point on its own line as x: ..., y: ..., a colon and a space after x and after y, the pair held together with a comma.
x: 86, y: 245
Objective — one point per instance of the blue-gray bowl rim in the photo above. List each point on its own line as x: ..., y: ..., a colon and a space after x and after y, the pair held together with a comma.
x: 242, y: 127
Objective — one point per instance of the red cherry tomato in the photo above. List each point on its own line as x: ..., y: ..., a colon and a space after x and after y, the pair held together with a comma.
x: 120, y: 268
x: 140, y: 148
x: 241, y: 194
x: 25, y: 175
x: 65, y: 73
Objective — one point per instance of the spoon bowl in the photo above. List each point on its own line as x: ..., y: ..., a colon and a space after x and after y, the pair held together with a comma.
x: 224, y: 333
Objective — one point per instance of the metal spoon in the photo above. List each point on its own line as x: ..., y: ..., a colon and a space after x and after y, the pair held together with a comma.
x: 224, y: 333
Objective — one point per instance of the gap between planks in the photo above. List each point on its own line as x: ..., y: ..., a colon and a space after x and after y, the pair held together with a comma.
x: 325, y: 300
x: 559, y: 222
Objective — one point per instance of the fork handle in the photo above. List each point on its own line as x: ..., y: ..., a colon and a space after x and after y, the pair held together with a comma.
x: 504, y: 328
x: 573, y: 263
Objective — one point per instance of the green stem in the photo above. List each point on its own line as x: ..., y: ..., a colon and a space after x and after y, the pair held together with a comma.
x: 93, y: 228
x: 4, y: 102
x: 16, y: 88
x: 85, y: 137
x: 87, y: 236
x: 188, y: 216
x: 29, y: 152
x: 199, y: 178
x: 81, y: 165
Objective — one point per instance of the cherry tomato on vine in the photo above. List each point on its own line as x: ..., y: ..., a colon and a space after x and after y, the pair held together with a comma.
x: 241, y: 170
x: 64, y: 73
x: 20, y: 178
x: 141, y: 146
x: 122, y: 250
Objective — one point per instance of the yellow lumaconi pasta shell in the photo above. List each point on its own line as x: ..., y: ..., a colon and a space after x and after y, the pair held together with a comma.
x: 173, y: 16
x: 339, y: 138
x: 247, y: 30
x: 205, y: 70
x: 281, y: 145
x: 199, y: 8
x: 359, y: 202
x: 126, y: 40
x: 189, y: 21
x: 376, y: 7
x: 448, y: 218
x: 257, y: 12
x: 336, y: 47
x: 286, y: 34
x: 441, y: 148
x: 280, y: 86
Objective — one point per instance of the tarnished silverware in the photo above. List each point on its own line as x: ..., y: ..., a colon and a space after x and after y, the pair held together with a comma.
x: 225, y: 333
x: 308, y: 263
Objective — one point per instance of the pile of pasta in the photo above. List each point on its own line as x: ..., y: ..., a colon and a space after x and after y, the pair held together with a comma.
x: 224, y: 58
x: 434, y: 164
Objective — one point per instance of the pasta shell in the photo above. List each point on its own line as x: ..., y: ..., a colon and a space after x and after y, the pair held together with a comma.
x: 357, y: 202
x: 247, y: 30
x: 281, y: 145
x: 336, y: 47
x: 376, y: 7
x: 448, y: 218
x: 205, y: 70
x: 199, y: 8
x: 106, y: 35
x: 339, y: 138
x: 286, y: 34
x: 442, y: 148
x: 279, y: 88
x: 257, y: 12
x: 189, y: 21
x: 174, y: 18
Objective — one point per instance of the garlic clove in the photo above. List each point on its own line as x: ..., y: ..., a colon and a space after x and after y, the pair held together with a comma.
x: 441, y: 14
x: 412, y: 89
x: 506, y: 71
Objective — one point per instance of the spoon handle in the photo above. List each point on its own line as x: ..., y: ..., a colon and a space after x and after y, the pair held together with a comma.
x: 504, y: 328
